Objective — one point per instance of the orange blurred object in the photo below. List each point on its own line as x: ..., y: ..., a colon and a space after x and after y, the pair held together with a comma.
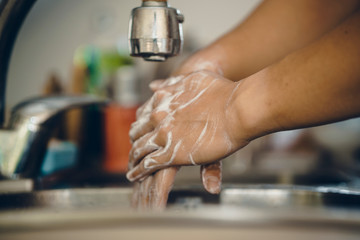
x: 118, y: 120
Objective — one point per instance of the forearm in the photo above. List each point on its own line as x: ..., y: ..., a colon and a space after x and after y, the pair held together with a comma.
x: 315, y: 85
x: 272, y: 31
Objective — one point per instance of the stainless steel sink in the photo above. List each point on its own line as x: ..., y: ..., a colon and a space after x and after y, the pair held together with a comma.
x: 246, y: 212
x: 288, y: 196
x: 264, y: 196
x: 67, y: 199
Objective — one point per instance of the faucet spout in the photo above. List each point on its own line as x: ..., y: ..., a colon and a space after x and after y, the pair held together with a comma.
x: 155, y: 31
x: 23, y: 143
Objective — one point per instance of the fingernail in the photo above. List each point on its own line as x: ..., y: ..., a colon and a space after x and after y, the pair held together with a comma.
x: 154, y: 85
x: 129, y: 176
x: 213, y: 185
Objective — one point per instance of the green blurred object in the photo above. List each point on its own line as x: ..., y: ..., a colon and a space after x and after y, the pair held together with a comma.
x: 101, y: 65
x: 112, y: 60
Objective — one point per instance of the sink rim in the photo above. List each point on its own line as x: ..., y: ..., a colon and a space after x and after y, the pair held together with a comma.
x: 213, y: 215
x: 60, y: 198
x: 209, y: 216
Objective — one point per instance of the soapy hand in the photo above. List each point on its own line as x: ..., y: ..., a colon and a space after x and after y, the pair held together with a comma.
x: 187, y: 122
x: 152, y: 193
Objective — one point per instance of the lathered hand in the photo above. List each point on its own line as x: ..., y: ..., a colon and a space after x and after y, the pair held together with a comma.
x: 152, y: 193
x: 284, y: 86
x: 186, y: 122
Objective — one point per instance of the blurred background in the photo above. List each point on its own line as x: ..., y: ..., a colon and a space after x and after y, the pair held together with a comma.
x: 54, y: 30
x: 81, y: 47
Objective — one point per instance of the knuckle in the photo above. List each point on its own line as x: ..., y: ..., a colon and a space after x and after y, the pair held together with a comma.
x: 155, y: 117
x: 135, y: 153
x: 197, y: 74
x: 139, y: 111
x: 132, y: 133
x: 163, y: 132
x: 159, y: 95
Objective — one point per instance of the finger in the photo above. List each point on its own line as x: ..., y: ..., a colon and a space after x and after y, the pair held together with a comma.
x: 143, y: 126
x: 140, y: 128
x: 142, y: 147
x: 177, y: 85
x: 154, y: 161
x: 140, y: 171
x: 148, y: 119
x: 144, y: 201
x: 156, y: 85
x: 211, y: 175
x: 135, y: 195
x: 146, y: 108
x: 163, y: 180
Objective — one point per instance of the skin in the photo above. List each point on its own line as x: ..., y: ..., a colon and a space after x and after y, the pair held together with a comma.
x: 196, y: 130
x: 159, y: 185
x: 274, y: 30
x: 289, y: 80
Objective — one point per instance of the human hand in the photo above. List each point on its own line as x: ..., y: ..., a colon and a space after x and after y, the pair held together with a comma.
x: 152, y: 193
x: 188, y: 122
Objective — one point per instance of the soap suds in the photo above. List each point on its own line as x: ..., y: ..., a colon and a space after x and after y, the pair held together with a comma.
x: 143, y: 117
x: 228, y: 142
x: 232, y: 94
x: 197, y: 96
x: 202, y: 64
x: 192, y: 159
x: 172, y: 80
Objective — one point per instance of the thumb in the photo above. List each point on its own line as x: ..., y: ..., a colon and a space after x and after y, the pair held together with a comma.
x: 211, y: 175
x: 164, y: 180
x: 156, y: 85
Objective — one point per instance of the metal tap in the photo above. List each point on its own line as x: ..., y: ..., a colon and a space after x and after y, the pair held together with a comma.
x: 23, y: 143
x: 155, y: 31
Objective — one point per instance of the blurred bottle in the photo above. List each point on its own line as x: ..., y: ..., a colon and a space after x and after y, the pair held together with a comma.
x: 95, y: 69
x: 118, y: 118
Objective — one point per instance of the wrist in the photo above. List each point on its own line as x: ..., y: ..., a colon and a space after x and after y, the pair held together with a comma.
x: 252, y: 108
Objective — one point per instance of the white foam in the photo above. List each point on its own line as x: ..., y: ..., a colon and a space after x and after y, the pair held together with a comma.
x: 192, y: 160
x: 172, y: 80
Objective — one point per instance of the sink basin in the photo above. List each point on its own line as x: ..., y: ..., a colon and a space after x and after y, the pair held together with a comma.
x: 72, y: 199
x: 246, y: 212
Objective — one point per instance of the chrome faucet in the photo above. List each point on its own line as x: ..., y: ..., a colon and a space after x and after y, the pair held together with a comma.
x: 155, y: 34
x: 23, y: 143
x: 155, y: 31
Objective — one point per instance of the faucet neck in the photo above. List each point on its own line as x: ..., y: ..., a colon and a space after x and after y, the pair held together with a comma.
x: 154, y: 3
x: 12, y: 15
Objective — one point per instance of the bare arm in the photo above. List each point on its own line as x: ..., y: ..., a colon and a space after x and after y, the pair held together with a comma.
x: 316, y: 85
x: 275, y: 29
x: 203, y: 117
